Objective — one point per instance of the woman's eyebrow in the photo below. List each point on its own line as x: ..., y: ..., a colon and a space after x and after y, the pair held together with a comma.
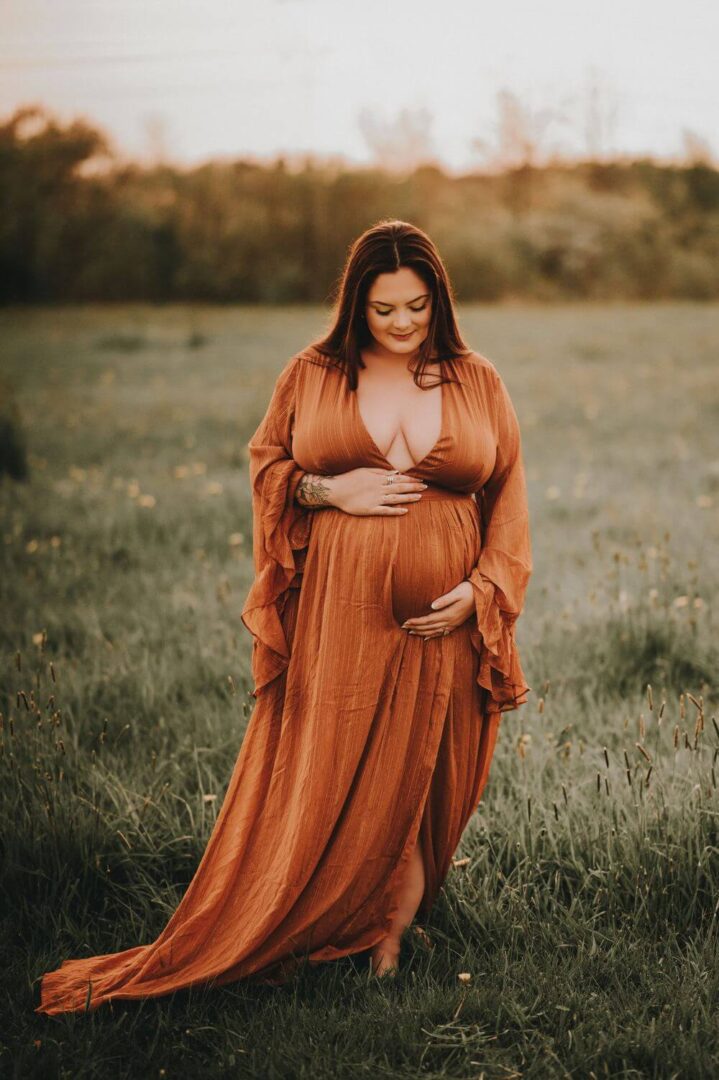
x: 385, y: 304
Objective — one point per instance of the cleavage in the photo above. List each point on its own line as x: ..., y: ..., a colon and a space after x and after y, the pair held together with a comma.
x: 404, y: 422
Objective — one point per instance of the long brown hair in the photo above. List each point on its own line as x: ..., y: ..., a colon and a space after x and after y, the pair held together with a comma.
x: 382, y: 249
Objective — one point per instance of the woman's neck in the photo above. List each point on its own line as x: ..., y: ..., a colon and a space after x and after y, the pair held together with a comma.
x: 381, y: 357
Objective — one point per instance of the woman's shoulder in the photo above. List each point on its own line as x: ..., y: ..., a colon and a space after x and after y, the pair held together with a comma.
x: 478, y: 366
x: 302, y: 363
x: 472, y: 362
x: 310, y: 354
x: 296, y: 365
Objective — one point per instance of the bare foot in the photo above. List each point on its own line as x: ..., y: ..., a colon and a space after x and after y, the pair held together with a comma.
x: 385, y: 954
x: 385, y: 958
x: 424, y: 938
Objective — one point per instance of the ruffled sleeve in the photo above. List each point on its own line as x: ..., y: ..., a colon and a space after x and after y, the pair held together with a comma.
x: 280, y: 530
x: 501, y: 576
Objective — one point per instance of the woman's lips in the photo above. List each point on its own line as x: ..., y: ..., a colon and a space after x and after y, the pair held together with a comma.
x: 403, y: 337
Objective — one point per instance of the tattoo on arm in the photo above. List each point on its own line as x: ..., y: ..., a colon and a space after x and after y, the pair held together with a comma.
x: 313, y: 491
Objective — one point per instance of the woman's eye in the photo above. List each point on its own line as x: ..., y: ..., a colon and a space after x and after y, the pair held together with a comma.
x: 411, y: 309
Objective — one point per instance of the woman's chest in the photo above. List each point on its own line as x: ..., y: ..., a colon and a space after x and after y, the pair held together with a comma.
x: 403, y: 420
x: 446, y: 432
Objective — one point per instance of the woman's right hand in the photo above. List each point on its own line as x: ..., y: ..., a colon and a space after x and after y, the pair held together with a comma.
x: 364, y: 492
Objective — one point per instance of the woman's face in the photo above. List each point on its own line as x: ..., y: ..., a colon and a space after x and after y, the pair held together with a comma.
x: 398, y: 310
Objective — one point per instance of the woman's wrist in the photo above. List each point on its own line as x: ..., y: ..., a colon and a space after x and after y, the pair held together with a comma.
x: 315, y: 490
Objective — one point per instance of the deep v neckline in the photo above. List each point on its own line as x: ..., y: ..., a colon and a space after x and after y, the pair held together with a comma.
x: 374, y: 446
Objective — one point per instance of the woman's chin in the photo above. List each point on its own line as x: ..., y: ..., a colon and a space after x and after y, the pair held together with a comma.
x: 400, y: 345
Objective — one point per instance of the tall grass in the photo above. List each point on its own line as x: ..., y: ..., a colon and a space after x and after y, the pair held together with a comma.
x: 577, y: 931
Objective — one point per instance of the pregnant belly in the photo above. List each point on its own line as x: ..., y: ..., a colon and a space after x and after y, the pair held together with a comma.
x: 392, y: 568
x: 438, y: 544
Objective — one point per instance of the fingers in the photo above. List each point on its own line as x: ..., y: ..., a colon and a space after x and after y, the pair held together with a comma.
x: 443, y: 617
x: 410, y: 490
x: 389, y: 500
x: 400, y: 480
x: 421, y: 627
x: 429, y: 629
x: 430, y: 634
x: 403, y: 489
x: 399, y: 477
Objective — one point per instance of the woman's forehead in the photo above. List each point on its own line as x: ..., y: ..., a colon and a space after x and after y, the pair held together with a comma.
x: 400, y: 287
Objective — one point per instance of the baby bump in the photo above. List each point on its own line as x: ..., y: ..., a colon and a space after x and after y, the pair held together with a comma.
x: 383, y: 569
x: 438, y: 543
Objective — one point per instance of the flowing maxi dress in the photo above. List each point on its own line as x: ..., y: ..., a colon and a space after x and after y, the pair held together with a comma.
x: 361, y: 737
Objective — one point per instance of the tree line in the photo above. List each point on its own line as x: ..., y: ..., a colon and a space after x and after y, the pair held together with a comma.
x: 79, y: 224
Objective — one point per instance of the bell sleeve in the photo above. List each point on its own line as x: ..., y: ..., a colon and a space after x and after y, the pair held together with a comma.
x: 280, y: 530
x: 501, y: 576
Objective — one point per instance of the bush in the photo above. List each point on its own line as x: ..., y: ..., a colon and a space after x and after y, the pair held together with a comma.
x: 13, y: 450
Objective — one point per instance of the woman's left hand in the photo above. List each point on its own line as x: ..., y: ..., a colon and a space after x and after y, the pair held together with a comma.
x: 450, y: 611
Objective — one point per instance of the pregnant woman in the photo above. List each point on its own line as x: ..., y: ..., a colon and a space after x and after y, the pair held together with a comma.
x: 392, y: 556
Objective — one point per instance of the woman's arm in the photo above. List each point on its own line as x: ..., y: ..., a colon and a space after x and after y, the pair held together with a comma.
x: 280, y: 530
x: 315, y: 490
x: 361, y: 491
x: 501, y: 576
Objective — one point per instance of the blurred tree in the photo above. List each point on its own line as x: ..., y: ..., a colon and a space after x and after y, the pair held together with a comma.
x: 697, y: 150
x: 13, y: 445
x: 79, y: 224
x: 402, y: 144
x: 600, y: 117
x: 516, y: 152
x: 40, y: 198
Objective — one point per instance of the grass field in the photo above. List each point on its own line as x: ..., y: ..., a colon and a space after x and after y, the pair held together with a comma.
x: 586, y: 913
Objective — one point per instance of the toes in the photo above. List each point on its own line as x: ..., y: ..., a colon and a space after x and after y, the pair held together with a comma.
x: 384, y: 960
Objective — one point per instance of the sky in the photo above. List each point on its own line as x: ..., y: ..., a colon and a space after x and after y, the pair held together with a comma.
x: 187, y: 80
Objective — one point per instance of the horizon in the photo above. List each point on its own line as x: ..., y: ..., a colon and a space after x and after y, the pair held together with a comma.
x: 222, y: 81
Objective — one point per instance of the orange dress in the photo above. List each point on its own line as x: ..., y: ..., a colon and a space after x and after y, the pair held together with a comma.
x: 361, y: 737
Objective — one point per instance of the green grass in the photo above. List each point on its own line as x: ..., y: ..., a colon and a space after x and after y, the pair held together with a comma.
x: 586, y: 915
